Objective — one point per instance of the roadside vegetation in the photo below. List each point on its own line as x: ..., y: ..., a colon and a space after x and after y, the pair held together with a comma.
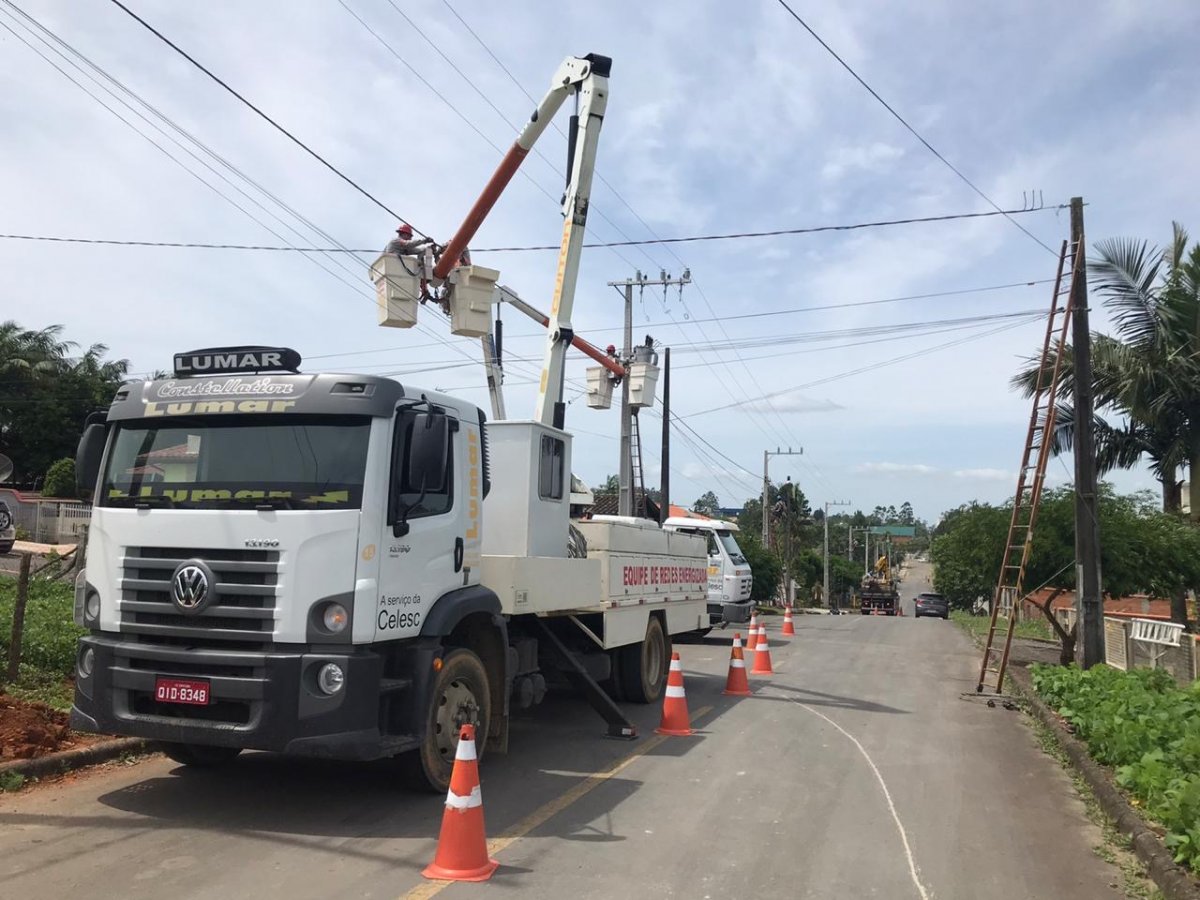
x: 1144, y: 550
x: 48, y: 643
x: 1147, y: 728
x: 1032, y: 629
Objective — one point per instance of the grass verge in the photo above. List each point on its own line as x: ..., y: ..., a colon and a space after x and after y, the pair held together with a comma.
x: 1032, y: 629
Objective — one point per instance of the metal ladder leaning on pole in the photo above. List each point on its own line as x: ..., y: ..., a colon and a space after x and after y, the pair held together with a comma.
x: 1030, y: 479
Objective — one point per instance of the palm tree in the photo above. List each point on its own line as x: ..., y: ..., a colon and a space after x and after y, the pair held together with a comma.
x: 32, y: 352
x: 1146, y: 377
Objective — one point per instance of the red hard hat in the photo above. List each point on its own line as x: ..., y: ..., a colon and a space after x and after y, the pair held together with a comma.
x: 405, y: 229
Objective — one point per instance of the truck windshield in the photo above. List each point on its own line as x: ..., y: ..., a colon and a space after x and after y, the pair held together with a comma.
x: 729, y: 542
x: 233, y: 462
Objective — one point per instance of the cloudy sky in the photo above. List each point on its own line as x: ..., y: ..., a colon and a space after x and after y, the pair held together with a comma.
x: 722, y: 118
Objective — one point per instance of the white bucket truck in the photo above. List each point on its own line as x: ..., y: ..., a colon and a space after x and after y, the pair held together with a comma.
x: 345, y: 566
x: 729, y: 576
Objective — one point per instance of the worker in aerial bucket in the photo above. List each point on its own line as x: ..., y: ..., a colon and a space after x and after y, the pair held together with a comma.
x: 404, y: 244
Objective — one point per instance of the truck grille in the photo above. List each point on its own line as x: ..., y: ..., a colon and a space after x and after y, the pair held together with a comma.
x: 241, y: 614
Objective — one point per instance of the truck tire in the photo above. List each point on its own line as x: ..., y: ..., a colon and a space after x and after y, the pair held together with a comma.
x: 460, y: 695
x: 199, y: 756
x: 643, y: 667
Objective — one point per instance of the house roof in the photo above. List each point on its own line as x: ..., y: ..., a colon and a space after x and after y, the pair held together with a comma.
x: 178, y: 451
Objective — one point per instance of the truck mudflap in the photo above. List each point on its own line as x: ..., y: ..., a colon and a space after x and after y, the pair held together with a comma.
x: 255, y: 700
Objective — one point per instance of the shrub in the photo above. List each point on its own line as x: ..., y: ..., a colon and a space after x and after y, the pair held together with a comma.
x: 1148, y: 729
x: 60, y: 480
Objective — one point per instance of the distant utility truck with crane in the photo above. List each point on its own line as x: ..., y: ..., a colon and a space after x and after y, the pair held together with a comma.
x: 343, y: 566
x: 879, y: 592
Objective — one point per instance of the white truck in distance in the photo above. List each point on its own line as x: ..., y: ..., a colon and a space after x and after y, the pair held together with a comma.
x: 342, y: 566
x: 729, y: 577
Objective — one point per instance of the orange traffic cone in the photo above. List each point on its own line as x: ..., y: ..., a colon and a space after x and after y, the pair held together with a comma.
x: 675, y: 711
x: 462, y: 846
x: 789, y: 627
x: 737, y: 685
x: 762, y: 655
x: 750, y: 635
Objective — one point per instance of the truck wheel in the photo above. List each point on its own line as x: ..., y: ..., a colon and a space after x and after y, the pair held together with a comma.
x: 200, y: 756
x: 460, y: 696
x: 643, y: 668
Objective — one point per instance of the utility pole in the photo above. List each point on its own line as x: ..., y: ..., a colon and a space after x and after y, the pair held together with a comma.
x: 625, y: 469
x: 865, y: 530
x: 825, y: 583
x: 664, y: 511
x: 1089, y: 611
x: 766, y: 493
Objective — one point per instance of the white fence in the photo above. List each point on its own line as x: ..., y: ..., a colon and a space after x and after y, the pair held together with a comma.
x: 1131, y: 643
x: 47, y: 521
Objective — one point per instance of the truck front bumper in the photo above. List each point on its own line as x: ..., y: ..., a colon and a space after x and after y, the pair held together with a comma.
x: 730, y: 613
x: 258, y: 700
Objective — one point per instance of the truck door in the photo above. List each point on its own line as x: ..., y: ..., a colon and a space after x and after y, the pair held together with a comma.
x: 423, y: 538
x: 716, y: 569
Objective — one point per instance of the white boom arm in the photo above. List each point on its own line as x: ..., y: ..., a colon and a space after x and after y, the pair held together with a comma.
x: 588, y: 78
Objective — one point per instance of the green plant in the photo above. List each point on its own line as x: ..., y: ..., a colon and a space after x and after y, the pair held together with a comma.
x: 1148, y: 729
x: 50, y: 634
x: 22, y: 533
x: 60, y: 479
x: 11, y: 781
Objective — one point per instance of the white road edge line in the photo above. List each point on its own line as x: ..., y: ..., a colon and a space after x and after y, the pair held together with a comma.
x: 912, y: 865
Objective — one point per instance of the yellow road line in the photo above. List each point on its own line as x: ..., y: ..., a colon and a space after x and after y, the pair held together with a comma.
x: 552, y: 808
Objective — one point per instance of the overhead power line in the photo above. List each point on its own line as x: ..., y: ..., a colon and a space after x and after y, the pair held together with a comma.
x: 868, y: 368
x: 295, y: 140
x: 201, y: 245
x: 899, y: 118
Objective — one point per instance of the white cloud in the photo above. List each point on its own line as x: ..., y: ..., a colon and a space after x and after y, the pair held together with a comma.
x: 789, y: 403
x: 874, y: 157
x: 983, y: 474
x: 891, y: 468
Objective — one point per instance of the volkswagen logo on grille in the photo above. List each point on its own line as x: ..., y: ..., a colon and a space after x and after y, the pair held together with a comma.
x: 192, y: 586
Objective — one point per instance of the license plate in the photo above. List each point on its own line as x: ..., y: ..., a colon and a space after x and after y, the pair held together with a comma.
x: 177, y: 690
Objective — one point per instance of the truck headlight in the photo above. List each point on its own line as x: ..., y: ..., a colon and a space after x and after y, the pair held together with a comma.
x: 335, y: 618
x: 87, y: 662
x: 331, y: 678
x: 91, y: 606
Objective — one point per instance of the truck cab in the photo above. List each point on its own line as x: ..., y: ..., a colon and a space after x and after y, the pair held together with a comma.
x: 729, y: 577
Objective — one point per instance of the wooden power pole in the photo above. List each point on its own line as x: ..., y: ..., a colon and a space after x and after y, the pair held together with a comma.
x: 1089, y: 602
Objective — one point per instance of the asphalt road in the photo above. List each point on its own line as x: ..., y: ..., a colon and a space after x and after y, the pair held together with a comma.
x: 856, y: 771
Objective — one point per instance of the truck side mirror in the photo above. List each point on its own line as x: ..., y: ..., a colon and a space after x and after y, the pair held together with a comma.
x: 427, y: 467
x: 87, y: 459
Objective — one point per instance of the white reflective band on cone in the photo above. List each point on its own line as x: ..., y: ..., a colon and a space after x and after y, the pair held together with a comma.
x: 673, y: 691
x: 473, y: 799
x: 737, y: 642
x: 466, y: 750
x: 737, y: 664
x: 676, y: 666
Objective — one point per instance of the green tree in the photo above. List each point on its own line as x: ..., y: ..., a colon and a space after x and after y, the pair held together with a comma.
x: 48, y: 394
x: 707, y: 504
x: 1146, y: 376
x: 765, y: 568
x: 1144, y: 550
x: 906, y: 513
x: 611, y: 485
x: 60, y: 479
